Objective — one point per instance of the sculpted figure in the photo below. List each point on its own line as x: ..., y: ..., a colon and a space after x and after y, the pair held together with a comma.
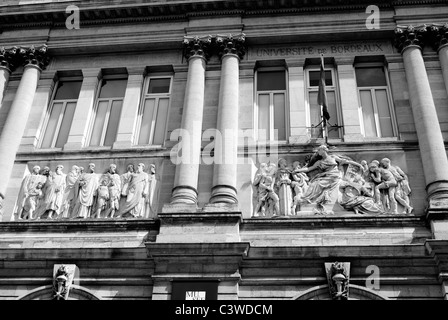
x: 125, y: 178
x: 69, y: 193
x: 323, y: 183
x: 28, y: 183
x: 88, y: 185
x: 267, y: 200
x: 138, y: 189
x: 114, y: 199
x: 150, y: 210
x: 384, y: 181
x: 283, y: 183
x: 31, y: 201
x: 54, y: 193
x: 102, y: 199
x: 402, y: 189
x: 299, y: 184
x: 356, y: 197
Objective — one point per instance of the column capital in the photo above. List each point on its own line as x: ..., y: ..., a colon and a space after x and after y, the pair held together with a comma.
x: 407, y: 36
x: 439, y: 35
x: 35, y: 56
x: 231, y: 44
x: 9, y: 58
x: 197, y: 46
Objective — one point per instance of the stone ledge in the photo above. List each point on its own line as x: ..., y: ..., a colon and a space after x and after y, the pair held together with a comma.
x: 80, y: 225
x: 197, y: 249
x: 334, y: 221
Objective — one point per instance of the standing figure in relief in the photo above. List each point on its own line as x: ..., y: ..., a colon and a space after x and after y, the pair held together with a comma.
x: 125, y: 178
x: 138, y: 189
x: 31, y: 201
x: 150, y: 210
x: 88, y: 185
x: 325, y: 182
x: 385, y: 181
x: 101, y: 199
x: 54, y: 193
x: 259, y: 176
x: 114, y: 199
x: 283, y: 183
x: 402, y: 190
x: 28, y: 183
x: 299, y: 184
x: 267, y: 199
x: 69, y: 193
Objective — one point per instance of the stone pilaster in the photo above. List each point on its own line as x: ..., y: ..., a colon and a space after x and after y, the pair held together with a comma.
x: 84, y: 108
x: 131, y: 102
x: 231, y: 50
x: 410, y: 42
x: 35, y: 60
x: 439, y: 41
x: 196, y: 51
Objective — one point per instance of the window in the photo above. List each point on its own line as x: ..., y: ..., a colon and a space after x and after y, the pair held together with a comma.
x: 375, y: 102
x: 153, y: 115
x: 270, y: 115
x: 61, y: 111
x: 314, y: 110
x: 108, y: 111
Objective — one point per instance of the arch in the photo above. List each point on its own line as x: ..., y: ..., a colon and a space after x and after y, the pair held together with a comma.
x: 46, y: 293
x: 356, y: 293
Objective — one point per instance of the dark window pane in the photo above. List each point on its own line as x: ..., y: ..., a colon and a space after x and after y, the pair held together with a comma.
x: 113, y: 88
x: 161, y: 85
x: 68, y: 90
x: 315, y: 77
x: 112, y: 127
x: 271, y: 80
x: 370, y: 77
x: 66, y: 124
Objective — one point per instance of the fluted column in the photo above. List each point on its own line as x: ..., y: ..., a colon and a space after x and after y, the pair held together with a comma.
x: 8, y: 60
x: 187, y: 171
x: 410, y: 41
x: 36, y: 59
x: 226, y: 148
x: 439, y: 37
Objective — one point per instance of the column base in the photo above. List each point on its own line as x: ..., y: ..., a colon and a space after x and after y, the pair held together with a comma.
x: 184, y: 195
x: 223, y: 194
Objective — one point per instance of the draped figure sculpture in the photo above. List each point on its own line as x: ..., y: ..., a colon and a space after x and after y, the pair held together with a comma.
x: 29, y: 183
x: 326, y: 181
x: 138, y: 190
x: 283, y: 183
x: 53, y: 194
x: 69, y: 193
x: 88, y: 185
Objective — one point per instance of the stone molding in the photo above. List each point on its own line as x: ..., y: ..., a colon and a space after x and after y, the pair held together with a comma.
x: 197, y: 47
x: 206, y: 46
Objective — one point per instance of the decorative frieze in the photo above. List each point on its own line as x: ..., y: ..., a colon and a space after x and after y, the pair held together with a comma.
x: 62, y: 280
x: 9, y: 58
x: 82, y: 193
x: 324, y: 180
x: 439, y: 35
x: 338, y: 276
x: 406, y: 36
x: 231, y: 44
x: 36, y: 56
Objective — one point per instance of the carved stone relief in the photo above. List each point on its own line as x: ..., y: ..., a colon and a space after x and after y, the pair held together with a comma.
x: 327, y: 179
x: 84, y: 193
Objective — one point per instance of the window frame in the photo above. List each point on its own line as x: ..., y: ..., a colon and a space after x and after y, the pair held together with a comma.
x: 157, y: 96
x: 334, y: 88
x: 271, y: 93
x: 109, y: 107
x: 61, y: 114
x: 374, y: 101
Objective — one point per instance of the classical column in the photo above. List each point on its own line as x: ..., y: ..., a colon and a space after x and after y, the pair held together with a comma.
x: 439, y: 37
x: 36, y: 59
x: 8, y: 61
x: 226, y: 147
x: 410, y: 41
x: 187, y: 169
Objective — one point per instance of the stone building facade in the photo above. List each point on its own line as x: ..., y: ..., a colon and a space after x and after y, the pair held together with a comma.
x: 166, y: 149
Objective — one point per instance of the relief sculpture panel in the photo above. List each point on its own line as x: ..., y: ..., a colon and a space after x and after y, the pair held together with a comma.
x: 326, y: 183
